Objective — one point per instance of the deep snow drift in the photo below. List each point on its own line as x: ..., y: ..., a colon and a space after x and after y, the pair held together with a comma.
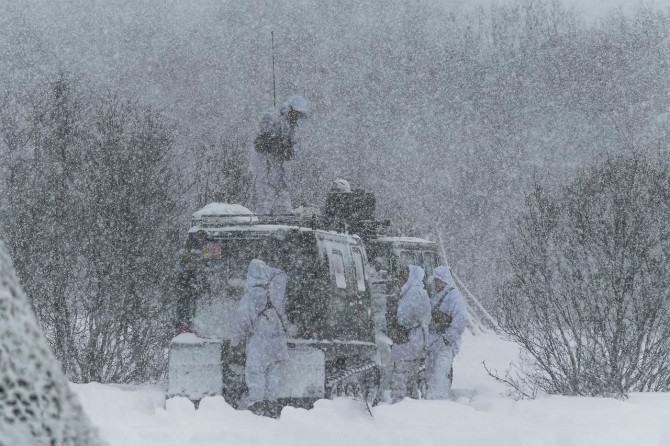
x: 479, y: 415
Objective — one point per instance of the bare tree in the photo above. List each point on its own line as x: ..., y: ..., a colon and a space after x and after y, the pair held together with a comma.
x: 90, y: 214
x: 128, y: 243
x: 589, y: 295
x: 220, y: 174
x: 42, y: 148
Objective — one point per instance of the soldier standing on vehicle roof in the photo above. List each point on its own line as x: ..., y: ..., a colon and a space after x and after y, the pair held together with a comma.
x: 274, y: 145
x: 414, y: 315
x: 445, y: 331
x: 259, y: 321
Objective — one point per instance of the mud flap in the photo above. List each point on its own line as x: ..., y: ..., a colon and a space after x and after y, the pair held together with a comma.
x: 304, y: 373
x: 194, y: 367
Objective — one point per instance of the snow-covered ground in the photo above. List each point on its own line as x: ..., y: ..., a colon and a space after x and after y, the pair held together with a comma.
x: 480, y: 415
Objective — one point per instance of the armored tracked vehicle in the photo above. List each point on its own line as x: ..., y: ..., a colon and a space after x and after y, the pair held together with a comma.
x: 328, y: 304
x: 341, y: 292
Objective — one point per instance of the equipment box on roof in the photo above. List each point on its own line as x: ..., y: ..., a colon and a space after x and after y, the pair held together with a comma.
x: 356, y: 205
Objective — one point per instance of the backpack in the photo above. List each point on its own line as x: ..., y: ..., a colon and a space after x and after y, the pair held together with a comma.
x: 439, y: 321
x: 396, y: 331
x: 274, y: 145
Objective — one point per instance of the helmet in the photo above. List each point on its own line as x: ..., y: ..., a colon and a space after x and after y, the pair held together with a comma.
x: 341, y: 185
x: 298, y: 104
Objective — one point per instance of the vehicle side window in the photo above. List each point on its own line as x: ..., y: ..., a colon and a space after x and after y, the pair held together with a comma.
x: 431, y: 261
x: 360, y: 273
x: 407, y: 258
x: 420, y: 262
x: 337, y: 262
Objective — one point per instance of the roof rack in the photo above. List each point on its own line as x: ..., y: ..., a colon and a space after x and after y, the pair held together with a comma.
x: 359, y: 227
x: 288, y: 219
x: 363, y: 228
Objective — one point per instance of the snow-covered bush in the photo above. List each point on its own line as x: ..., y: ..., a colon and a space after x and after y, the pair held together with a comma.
x: 37, y: 406
x: 589, y: 295
x: 89, y: 214
x: 93, y: 206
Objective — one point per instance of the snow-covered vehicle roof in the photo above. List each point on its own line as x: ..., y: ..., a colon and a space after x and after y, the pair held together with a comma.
x: 222, y: 209
x: 223, y: 214
x: 222, y: 219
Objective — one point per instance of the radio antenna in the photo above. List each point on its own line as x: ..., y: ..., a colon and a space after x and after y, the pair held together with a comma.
x: 274, y: 84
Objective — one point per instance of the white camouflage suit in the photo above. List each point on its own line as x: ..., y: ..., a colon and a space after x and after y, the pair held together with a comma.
x: 442, y: 347
x: 260, y: 323
x: 268, y: 170
x: 413, y: 314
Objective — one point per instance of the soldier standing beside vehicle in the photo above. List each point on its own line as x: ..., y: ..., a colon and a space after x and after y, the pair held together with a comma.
x: 274, y: 145
x: 259, y: 322
x: 410, y: 330
x: 187, y: 284
x: 185, y: 295
x: 445, y: 331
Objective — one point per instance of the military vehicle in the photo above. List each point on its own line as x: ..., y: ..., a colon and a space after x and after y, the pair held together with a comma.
x: 328, y: 304
x: 341, y: 293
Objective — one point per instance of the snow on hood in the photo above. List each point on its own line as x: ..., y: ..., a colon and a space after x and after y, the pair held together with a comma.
x: 222, y: 211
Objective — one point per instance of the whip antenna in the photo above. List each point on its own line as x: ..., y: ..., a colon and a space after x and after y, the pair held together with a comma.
x: 274, y: 85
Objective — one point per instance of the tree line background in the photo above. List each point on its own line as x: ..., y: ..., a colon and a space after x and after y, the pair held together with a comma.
x: 119, y: 119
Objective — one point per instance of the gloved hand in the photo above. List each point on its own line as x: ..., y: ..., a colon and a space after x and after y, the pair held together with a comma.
x: 291, y: 330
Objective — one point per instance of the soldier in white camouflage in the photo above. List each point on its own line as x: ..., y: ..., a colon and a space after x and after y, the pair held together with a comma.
x: 275, y: 145
x: 413, y: 317
x: 260, y: 326
x: 448, y: 318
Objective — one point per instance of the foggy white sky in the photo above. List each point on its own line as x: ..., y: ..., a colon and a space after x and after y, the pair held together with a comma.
x: 594, y: 9
x: 591, y: 10
x: 207, y: 65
